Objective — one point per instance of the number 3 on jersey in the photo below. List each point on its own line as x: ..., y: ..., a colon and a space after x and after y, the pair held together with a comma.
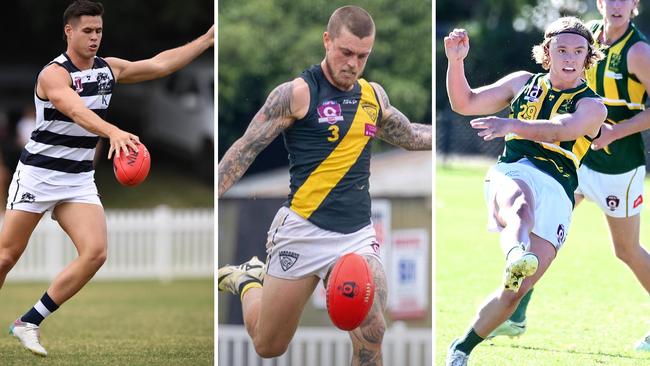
x: 334, y: 129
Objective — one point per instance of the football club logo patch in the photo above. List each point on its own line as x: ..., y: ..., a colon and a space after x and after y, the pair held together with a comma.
x: 329, y: 112
x: 375, y: 247
x: 27, y: 198
x: 561, y: 234
x: 371, y: 110
x: 612, y: 202
x: 288, y: 259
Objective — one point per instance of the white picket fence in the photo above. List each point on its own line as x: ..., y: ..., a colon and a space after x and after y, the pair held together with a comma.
x: 325, y: 346
x: 160, y: 243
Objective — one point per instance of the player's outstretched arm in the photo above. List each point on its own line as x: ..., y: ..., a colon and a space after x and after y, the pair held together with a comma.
x: 163, y: 63
x: 285, y: 104
x: 638, y: 59
x: 54, y: 84
x: 396, y: 129
x: 586, y: 120
x: 480, y: 101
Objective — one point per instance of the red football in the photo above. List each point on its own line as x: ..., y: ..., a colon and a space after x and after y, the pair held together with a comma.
x: 350, y: 291
x: 132, y: 169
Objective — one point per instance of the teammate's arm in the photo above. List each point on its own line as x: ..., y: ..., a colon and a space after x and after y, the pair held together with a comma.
x: 285, y: 104
x: 638, y: 59
x: 480, y: 101
x: 396, y: 129
x: 54, y: 85
x: 586, y: 120
x: 163, y: 63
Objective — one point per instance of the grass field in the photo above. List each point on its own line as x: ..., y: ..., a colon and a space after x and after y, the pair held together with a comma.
x: 587, y: 310
x: 117, y: 323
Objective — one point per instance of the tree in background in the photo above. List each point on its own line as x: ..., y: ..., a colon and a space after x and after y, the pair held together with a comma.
x: 263, y: 43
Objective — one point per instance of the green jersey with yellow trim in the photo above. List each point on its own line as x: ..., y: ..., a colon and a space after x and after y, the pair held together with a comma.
x: 329, y: 154
x: 538, y: 100
x: 623, y: 95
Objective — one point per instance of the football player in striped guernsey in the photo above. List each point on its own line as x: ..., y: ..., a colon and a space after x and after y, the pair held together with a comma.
x: 613, y: 175
x: 55, y: 172
x: 529, y: 192
x: 328, y: 117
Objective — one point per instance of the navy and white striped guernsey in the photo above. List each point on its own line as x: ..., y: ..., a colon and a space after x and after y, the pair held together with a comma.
x: 60, y: 152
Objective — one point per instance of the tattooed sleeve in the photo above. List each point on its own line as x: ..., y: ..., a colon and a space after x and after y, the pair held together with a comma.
x: 396, y: 129
x: 268, y: 123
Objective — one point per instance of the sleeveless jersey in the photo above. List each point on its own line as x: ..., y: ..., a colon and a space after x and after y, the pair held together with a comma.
x: 329, y: 154
x: 624, y: 95
x: 60, y: 152
x: 539, y: 100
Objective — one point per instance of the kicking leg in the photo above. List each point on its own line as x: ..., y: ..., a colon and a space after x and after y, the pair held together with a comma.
x: 501, y: 304
x: 367, y: 339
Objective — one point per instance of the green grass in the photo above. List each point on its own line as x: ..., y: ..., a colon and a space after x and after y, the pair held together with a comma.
x: 117, y: 323
x: 588, y: 309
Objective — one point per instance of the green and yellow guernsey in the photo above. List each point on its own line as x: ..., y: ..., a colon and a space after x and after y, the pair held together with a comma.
x: 329, y: 154
x: 624, y: 95
x: 538, y: 100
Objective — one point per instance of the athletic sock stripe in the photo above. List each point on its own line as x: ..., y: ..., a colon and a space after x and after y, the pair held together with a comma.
x: 247, y: 285
x: 42, y: 309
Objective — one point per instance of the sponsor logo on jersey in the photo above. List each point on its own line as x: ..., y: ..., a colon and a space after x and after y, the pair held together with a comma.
x: 288, y: 259
x: 638, y: 201
x: 561, y: 234
x: 371, y: 130
x: 349, y: 289
x: 533, y: 94
x: 612, y: 202
x: 329, y: 112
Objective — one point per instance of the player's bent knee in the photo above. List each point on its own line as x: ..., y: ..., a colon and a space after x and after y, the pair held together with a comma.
x: 95, y: 257
x: 270, y: 349
x: 627, y: 252
x: 7, y: 262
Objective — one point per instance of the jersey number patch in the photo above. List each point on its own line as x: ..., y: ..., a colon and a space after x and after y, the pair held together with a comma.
x: 334, y: 129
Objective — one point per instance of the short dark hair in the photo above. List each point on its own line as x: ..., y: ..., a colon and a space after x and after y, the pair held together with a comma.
x: 79, y: 8
x: 354, y: 19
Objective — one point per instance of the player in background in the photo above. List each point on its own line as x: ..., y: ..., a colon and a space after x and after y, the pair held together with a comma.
x: 529, y: 192
x: 55, y: 172
x: 328, y: 117
x: 613, y: 175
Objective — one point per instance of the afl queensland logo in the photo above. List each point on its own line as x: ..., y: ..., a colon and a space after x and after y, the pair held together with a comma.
x: 329, y: 112
x: 288, y: 259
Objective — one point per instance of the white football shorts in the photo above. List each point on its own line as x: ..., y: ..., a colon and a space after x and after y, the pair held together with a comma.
x: 552, y: 206
x: 618, y: 195
x: 297, y: 248
x: 26, y: 193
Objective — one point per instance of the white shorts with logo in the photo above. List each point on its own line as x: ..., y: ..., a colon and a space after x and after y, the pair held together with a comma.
x: 552, y: 206
x: 618, y: 195
x: 297, y: 248
x: 26, y: 193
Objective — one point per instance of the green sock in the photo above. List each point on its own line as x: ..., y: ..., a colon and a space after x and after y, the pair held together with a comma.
x: 467, y: 344
x: 520, y: 313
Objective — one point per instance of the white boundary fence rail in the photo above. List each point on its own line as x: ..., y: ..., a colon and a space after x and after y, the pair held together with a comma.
x: 325, y: 346
x: 160, y: 243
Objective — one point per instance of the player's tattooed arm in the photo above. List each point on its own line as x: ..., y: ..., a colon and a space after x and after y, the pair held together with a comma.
x: 274, y: 117
x: 396, y: 129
